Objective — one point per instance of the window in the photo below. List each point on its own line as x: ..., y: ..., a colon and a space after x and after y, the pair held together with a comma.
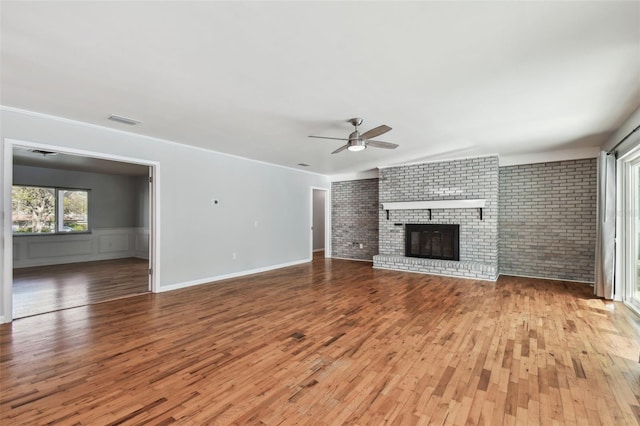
x: 43, y: 210
x: 635, y: 236
x: 630, y: 228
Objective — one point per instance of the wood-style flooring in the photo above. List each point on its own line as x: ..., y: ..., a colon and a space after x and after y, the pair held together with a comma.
x: 327, y: 343
x: 41, y: 289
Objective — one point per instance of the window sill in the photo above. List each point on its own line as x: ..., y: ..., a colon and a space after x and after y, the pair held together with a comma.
x: 49, y: 234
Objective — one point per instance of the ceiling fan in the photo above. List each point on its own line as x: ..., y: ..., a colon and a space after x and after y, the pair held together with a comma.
x: 358, y: 142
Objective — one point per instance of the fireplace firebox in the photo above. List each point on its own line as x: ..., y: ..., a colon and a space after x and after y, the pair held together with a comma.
x: 432, y: 241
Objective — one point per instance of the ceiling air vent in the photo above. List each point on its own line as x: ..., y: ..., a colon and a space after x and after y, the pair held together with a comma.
x: 43, y: 152
x: 124, y: 120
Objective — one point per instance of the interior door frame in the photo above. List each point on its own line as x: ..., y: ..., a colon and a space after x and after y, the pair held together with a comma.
x: 154, y: 211
x: 327, y: 221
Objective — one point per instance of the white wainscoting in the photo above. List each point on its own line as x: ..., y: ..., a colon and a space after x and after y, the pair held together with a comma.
x: 100, y: 244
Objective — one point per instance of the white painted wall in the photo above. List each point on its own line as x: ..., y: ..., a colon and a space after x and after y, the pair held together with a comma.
x: 142, y: 199
x: 262, y: 215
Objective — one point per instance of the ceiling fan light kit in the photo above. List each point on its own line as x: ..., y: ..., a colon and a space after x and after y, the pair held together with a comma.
x: 356, y: 145
x: 359, y: 142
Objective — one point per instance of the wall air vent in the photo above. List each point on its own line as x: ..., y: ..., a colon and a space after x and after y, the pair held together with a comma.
x: 124, y: 120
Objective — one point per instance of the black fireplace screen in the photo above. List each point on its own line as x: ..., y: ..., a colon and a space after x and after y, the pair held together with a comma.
x: 432, y: 241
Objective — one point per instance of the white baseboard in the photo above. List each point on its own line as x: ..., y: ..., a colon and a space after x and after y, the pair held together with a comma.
x: 547, y: 278
x: 317, y: 250
x: 178, y: 286
x: 2, y: 321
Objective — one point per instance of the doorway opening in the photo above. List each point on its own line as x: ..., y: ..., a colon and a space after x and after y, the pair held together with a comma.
x: 320, y: 214
x: 67, y: 252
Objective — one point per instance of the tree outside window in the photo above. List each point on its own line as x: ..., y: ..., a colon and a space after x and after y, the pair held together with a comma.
x: 75, y: 210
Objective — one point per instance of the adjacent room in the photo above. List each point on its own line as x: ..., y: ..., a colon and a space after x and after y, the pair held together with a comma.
x: 320, y: 213
x: 81, y: 230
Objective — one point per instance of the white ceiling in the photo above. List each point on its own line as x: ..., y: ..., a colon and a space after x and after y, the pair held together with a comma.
x: 255, y: 79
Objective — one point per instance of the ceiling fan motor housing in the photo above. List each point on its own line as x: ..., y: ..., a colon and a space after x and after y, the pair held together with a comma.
x: 356, y: 143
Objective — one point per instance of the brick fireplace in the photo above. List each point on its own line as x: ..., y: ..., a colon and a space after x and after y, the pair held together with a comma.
x: 456, y: 181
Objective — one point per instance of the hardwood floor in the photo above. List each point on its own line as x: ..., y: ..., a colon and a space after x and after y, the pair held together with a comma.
x: 50, y: 288
x: 332, y: 342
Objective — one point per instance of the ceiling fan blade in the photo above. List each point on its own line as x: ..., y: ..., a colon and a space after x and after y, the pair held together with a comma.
x: 380, y: 144
x: 342, y: 148
x: 325, y: 137
x: 377, y: 131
